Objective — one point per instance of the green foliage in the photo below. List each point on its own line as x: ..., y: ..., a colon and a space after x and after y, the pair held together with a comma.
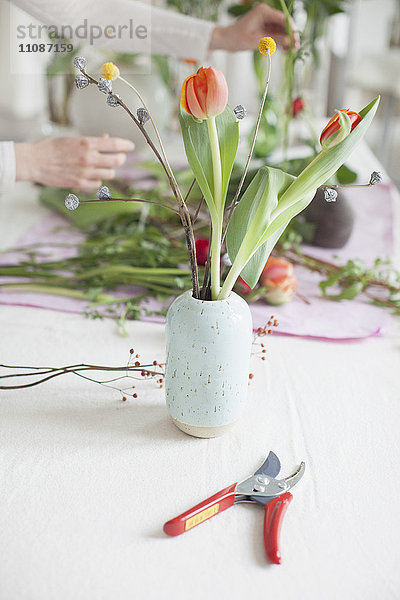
x: 238, y: 10
x: 355, y: 277
x: 345, y: 175
x: 119, y: 251
x: 206, y: 9
x: 274, y: 198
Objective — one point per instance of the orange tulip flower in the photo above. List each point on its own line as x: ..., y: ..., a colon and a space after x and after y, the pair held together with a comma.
x: 279, y: 280
x: 205, y: 94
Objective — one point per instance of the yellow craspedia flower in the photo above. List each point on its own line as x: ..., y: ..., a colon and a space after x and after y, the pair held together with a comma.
x: 265, y: 44
x: 109, y: 71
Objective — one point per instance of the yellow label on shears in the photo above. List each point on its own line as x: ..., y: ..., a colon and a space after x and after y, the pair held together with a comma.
x: 203, y: 516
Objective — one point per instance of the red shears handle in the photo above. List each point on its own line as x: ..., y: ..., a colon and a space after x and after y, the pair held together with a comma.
x: 273, y: 517
x: 203, y: 511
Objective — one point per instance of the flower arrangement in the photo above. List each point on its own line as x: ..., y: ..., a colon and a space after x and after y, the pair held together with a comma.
x: 256, y: 219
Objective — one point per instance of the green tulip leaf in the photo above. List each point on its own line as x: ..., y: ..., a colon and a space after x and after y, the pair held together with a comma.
x: 253, y: 269
x: 251, y: 218
x: 198, y: 151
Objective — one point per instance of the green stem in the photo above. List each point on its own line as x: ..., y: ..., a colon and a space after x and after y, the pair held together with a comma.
x: 215, y: 268
x: 233, y: 274
x: 251, y: 151
x: 56, y: 291
x: 217, y: 218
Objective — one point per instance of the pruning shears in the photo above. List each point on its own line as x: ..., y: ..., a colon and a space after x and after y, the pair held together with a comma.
x: 261, y: 488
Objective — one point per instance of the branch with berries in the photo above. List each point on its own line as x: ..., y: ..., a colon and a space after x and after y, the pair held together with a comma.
x: 119, y: 378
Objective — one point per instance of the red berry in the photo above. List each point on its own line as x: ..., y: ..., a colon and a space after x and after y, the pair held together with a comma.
x: 137, y: 364
x: 135, y: 395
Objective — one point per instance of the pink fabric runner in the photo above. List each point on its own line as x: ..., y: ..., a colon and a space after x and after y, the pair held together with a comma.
x: 324, y: 319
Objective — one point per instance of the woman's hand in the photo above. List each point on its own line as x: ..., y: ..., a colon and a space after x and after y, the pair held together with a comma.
x: 245, y: 33
x: 71, y: 162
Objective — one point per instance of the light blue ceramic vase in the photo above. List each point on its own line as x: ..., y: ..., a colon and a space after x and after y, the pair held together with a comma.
x: 207, y: 371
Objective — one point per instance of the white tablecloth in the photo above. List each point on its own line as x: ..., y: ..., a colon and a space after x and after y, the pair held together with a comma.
x: 87, y: 481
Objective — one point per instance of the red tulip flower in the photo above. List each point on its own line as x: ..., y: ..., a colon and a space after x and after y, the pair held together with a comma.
x: 279, y: 280
x: 297, y: 106
x: 334, y: 124
x: 205, y: 94
x: 202, y: 251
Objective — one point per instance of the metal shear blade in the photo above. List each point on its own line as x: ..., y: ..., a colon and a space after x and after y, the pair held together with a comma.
x: 261, y: 487
x: 271, y: 466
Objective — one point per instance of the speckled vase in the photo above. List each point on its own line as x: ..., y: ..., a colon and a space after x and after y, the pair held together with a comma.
x: 207, y: 371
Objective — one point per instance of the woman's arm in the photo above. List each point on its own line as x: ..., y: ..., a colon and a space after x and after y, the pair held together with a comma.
x: 77, y: 162
x: 7, y: 165
x: 127, y: 26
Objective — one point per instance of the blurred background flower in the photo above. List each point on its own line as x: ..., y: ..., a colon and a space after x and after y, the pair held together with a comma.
x: 279, y: 280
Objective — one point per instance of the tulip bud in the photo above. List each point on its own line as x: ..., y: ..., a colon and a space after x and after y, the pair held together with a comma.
x: 279, y: 280
x: 335, y: 131
x: 205, y: 94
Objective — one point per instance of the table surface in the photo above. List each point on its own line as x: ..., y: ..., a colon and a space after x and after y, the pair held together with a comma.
x: 88, y: 481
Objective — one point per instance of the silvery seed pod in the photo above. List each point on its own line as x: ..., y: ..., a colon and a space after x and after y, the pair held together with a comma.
x: 103, y: 193
x: 104, y: 85
x: 240, y: 111
x: 376, y: 177
x: 79, y: 62
x: 330, y: 195
x: 71, y: 202
x: 142, y: 115
x: 81, y: 81
x: 112, y: 99
x: 226, y: 261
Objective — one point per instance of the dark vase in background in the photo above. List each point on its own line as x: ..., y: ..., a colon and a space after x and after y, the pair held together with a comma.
x: 333, y: 221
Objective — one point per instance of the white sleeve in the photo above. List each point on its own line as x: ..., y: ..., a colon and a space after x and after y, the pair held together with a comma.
x: 7, y: 165
x: 167, y: 31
